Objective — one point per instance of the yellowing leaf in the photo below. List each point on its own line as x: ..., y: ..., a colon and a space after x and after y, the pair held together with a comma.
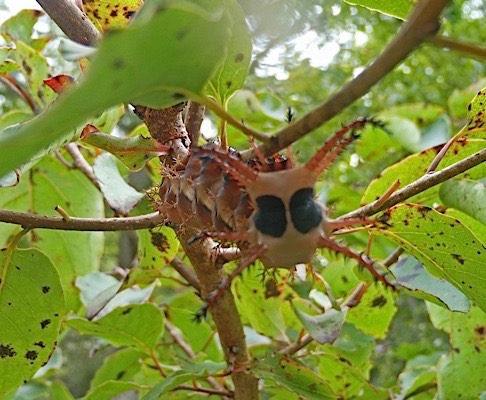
x: 446, y: 248
x: 107, y: 14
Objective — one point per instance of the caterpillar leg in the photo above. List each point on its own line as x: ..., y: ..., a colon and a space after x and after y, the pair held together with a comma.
x: 336, y: 143
x: 362, y: 259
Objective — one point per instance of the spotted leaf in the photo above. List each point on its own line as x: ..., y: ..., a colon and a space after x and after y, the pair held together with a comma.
x: 107, y: 14
x: 293, y: 376
x: 157, y: 247
x: 31, y: 310
x: 446, y: 248
x: 374, y: 313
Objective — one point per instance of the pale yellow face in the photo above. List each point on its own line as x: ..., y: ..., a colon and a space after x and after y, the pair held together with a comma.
x: 289, y: 231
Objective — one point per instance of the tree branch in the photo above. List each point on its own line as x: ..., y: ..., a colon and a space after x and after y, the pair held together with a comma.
x: 33, y: 221
x: 194, y: 118
x: 422, y: 23
x: 72, y: 21
x: 223, y: 311
x: 420, y: 185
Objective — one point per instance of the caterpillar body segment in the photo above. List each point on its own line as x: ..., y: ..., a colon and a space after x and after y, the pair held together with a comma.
x: 264, y: 202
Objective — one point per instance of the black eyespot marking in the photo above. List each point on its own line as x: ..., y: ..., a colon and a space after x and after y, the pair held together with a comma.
x: 270, y: 218
x: 305, y: 212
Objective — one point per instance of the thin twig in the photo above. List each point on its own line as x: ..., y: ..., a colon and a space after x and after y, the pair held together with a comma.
x: 295, y: 347
x: 81, y: 163
x: 175, y: 333
x: 34, y: 221
x: 223, y: 393
x: 14, y: 86
x: 470, y: 49
x: 186, y: 272
x: 422, y: 24
x: 420, y: 185
x: 393, y: 257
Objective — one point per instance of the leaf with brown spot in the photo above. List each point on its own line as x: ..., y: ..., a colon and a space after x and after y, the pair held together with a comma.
x: 29, y: 316
x: 460, y: 374
x: 232, y: 73
x: 294, y: 376
x: 447, y: 248
x: 108, y: 14
x: 476, y: 115
x: 157, y: 247
x: 374, y: 313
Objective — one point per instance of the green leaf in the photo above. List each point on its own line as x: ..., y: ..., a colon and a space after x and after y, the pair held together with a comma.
x: 323, y: 328
x: 51, y: 184
x: 375, y: 311
x: 173, y: 380
x: 461, y: 373
x: 415, y: 166
x: 157, y: 247
x: 108, y: 14
x: 120, y: 366
x: 232, y: 74
x: 446, y: 248
x: 293, y: 376
x: 119, y: 195
x: 31, y: 311
x: 466, y: 196
x: 397, y: 8
x: 414, y: 278
x: 134, y: 152
x: 91, y: 285
x: 263, y: 314
x: 35, y: 68
x: 419, y: 373
x: 138, y: 326
x: 8, y: 66
x: 404, y: 131
x: 346, y: 380
x: 460, y: 99
x: 421, y: 114
x: 20, y: 26
x: 476, y: 112
x: 171, y: 48
x: 110, y: 389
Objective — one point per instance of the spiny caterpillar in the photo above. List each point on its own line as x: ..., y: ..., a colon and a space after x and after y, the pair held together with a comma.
x: 265, y: 205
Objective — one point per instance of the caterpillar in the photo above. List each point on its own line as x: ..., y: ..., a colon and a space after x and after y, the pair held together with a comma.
x: 265, y: 205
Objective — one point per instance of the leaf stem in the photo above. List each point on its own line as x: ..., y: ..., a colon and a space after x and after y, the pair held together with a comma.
x: 10, y: 249
x: 226, y: 116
